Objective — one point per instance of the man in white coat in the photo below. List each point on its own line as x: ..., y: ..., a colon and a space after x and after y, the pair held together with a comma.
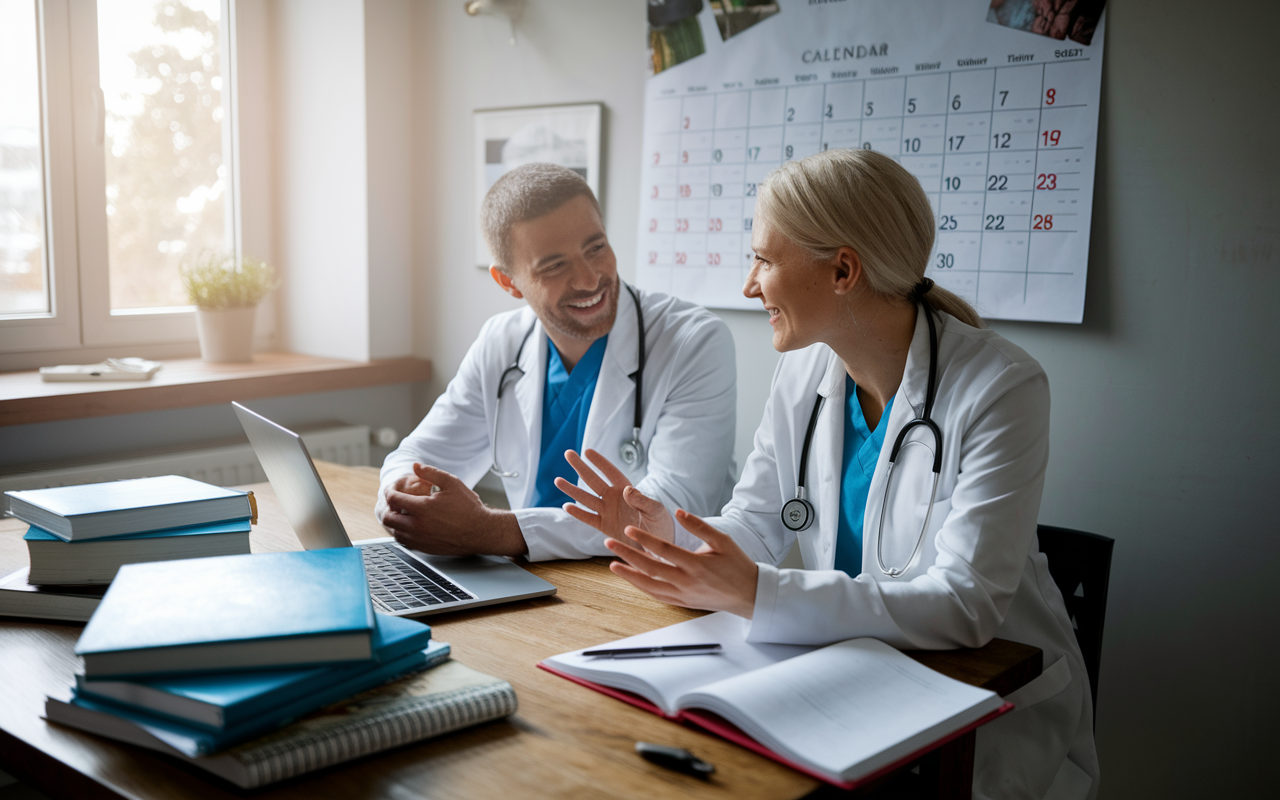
x: 562, y: 375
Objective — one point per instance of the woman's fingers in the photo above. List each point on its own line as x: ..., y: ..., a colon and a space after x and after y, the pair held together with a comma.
x: 661, y: 548
x: 656, y: 589
x: 607, y: 468
x: 588, y: 475
x: 641, y: 502
x: 578, y: 494
x: 701, y: 529
x: 643, y: 561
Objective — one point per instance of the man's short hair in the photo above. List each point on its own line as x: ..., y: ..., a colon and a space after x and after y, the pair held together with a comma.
x: 526, y: 192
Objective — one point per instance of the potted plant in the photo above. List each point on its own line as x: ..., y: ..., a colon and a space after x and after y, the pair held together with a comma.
x: 226, y: 293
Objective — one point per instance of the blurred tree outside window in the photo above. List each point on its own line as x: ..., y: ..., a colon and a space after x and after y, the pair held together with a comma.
x: 167, y: 182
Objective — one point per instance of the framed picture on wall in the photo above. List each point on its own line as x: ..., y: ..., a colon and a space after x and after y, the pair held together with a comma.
x: 506, y: 138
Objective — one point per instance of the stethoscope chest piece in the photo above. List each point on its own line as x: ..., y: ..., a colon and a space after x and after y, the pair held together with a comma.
x: 632, y: 451
x: 797, y: 514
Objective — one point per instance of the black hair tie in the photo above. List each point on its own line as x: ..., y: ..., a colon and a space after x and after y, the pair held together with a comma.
x: 920, y: 290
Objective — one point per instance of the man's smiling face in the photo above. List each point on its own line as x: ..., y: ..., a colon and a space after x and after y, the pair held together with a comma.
x: 563, y: 266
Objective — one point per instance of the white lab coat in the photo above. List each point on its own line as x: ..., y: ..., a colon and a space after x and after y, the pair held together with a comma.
x: 689, y: 412
x: 980, y: 574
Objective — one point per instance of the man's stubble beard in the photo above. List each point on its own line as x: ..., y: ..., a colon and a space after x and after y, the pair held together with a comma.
x: 564, y: 324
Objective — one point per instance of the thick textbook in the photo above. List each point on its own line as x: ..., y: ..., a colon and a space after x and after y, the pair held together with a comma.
x: 217, y: 702
x: 843, y: 713
x: 96, y: 510
x: 19, y: 598
x: 266, y: 610
x: 55, y: 560
x: 446, y: 698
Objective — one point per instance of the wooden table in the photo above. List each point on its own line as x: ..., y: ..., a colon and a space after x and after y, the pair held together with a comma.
x: 564, y: 741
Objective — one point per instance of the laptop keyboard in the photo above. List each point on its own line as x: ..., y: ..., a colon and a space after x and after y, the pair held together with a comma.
x: 399, y: 583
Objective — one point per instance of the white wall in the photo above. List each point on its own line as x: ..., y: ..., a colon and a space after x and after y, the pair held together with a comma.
x: 1163, y: 425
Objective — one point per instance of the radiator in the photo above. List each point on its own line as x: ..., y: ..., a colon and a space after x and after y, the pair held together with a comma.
x: 226, y: 465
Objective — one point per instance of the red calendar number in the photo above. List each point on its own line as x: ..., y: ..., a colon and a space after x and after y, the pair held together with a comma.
x: 655, y: 192
x: 682, y: 225
x: 653, y: 225
x: 713, y: 259
x: 1043, y: 222
x: 1047, y: 181
x: 682, y: 258
x: 714, y: 224
x: 1051, y: 138
x: 684, y: 157
x: 686, y: 190
x: 686, y: 123
x: 1048, y: 98
x: 656, y: 157
x: 653, y: 257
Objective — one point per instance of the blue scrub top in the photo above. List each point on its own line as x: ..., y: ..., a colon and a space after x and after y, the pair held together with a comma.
x: 858, y: 464
x: 566, y: 402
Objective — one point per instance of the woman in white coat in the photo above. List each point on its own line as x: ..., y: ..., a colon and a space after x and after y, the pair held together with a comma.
x: 940, y: 559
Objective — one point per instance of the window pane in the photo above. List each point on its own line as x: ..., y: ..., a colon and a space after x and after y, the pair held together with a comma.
x: 167, y: 185
x: 23, y: 277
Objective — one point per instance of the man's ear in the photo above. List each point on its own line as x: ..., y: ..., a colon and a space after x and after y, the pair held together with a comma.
x: 846, y: 268
x: 504, y: 280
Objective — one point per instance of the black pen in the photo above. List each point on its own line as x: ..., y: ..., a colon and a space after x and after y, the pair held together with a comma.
x: 652, y: 652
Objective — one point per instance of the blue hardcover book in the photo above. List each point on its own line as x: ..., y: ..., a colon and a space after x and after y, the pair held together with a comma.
x: 96, y: 561
x: 192, y: 741
x: 232, y: 613
x: 225, y: 701
x: 96, y: 510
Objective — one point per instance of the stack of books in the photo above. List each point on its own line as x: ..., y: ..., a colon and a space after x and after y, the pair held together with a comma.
x: 80, y: 536
x: 260, y: 667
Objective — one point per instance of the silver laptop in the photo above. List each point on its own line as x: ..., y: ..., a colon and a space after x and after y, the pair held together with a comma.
x: 403, y: 582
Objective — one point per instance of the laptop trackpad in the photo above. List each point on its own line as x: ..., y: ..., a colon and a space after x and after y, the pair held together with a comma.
x: 484, y: 576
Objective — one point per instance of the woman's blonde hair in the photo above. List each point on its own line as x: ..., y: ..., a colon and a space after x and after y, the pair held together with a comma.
x: 864, y: 200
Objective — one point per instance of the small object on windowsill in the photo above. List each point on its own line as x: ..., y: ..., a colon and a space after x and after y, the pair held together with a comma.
x: 113, y: 369
x: 675, y: 758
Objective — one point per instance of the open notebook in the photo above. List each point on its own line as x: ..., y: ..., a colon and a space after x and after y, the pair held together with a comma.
x: 844, y: 713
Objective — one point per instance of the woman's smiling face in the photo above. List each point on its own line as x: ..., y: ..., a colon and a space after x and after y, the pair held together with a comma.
x: 795, y: 288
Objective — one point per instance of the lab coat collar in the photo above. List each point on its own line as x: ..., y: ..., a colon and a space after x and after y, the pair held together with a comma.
x: 528, y: 391
x: 615, y: 389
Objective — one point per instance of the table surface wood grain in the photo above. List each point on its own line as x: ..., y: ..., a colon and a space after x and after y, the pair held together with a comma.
x: 564, y: 741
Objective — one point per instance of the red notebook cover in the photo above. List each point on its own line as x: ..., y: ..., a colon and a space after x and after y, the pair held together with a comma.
x: 713, y: 723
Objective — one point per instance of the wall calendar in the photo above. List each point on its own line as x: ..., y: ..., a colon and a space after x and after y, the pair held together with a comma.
x: 991, y: 104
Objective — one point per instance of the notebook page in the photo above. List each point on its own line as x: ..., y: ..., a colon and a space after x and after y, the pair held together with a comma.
x: 661, y: 680
x: 855, y: 703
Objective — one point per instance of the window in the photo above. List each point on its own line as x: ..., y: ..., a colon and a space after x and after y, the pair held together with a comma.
x: 115, y: 163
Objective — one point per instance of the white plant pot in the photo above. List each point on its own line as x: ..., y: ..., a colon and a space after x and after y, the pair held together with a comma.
x: 226, y: 335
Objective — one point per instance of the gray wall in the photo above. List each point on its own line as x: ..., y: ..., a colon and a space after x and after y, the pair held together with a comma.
x: 1159, y: 433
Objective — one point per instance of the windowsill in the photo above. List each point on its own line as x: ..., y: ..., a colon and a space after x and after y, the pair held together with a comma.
x: 187, y: 382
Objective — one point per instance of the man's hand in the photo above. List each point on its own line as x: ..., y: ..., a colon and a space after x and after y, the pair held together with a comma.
x: 719, y: 576
x: 434, y: 512
x: 615, y: 504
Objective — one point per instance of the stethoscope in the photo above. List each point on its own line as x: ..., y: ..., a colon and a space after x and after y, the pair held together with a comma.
x: 632, y: 450
x: 798, y: 513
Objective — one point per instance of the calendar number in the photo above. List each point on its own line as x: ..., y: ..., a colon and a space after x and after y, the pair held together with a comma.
x: 946, y: 261
x: 790, y: 151
x: 682, y: 258
x: 754, y: 152
x: 1047, y: 181
x: 997, y: 183
x: 653, y: 257
x: 715, y: 224
x: 911, y: 106
x: 717, y: 155
x: 713, y: 259
x: 684, y: 157
x: 1004, y: 95
x: 866, y: 145
x: 1051, y: 138
x: 954, y: 142
x: 682, y: 225
x: 1049, y: 96
x: 655, y: 193
x: 716, y: 189
x: 746, y: 223
x: 751, y: 190
x: 1002, y: 140
x: 995, y: 222
x: 656, y: 157
x: 948, y: 223
x: 911, y: 145
x: 871, y: 109
x: 952, y: 184
x: 1043, y: 222
x: 955, y: 103
x: 830, y: 112
x: 791, y: 115
x: 686, y: 190
x: 686, y: 123
x: 653, y: 225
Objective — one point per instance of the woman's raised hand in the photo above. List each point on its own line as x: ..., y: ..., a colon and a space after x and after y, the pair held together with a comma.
x: 719, y: 576
x: 615, y: 503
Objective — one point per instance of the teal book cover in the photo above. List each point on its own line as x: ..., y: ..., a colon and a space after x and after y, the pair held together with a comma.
x: 35, y: 534
x: 240, y: 612
x: 193, y: 741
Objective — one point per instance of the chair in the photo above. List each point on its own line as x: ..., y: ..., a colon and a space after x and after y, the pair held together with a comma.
x: 1080, y: 564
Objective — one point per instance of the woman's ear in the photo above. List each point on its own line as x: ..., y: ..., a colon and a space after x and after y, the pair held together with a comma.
x: 847, y: 270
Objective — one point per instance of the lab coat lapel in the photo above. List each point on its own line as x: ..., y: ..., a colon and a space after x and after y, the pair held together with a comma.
x: 615, y: 390
x: 528, y: 392
x: 828, y: 444
x: 908, y: 404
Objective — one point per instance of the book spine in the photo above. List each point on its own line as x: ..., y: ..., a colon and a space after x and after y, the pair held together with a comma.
x: 310, y: 750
